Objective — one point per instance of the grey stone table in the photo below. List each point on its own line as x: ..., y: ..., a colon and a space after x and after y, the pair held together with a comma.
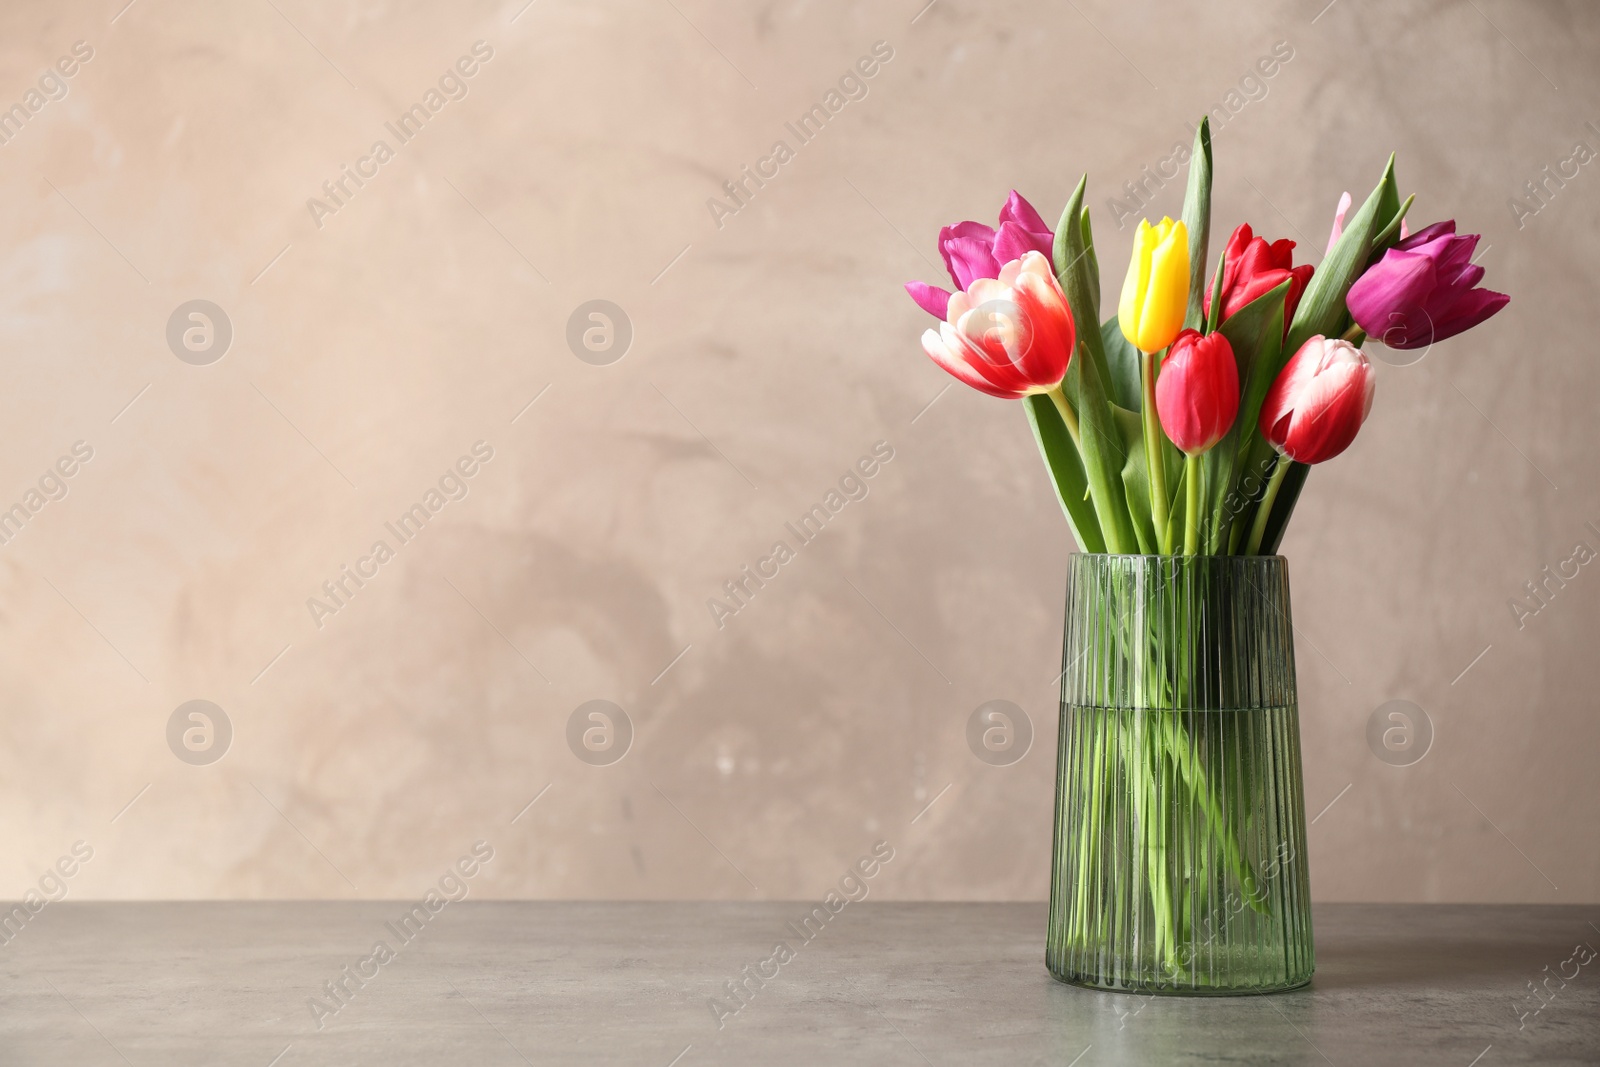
x: 171, y: 984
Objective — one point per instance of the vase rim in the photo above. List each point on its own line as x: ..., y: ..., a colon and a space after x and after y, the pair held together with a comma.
x: 1173, y: 556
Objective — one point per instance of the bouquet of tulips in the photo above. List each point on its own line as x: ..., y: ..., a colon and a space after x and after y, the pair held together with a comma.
x: 1189, y: 419
x: 1183, y: 426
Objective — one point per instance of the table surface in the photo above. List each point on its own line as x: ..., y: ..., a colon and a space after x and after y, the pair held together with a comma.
x: 511, y: 983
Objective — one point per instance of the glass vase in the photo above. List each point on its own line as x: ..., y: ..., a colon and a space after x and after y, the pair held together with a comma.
x: 1179, y: 862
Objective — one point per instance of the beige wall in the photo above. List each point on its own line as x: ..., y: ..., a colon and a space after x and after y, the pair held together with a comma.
x: 774, y: 352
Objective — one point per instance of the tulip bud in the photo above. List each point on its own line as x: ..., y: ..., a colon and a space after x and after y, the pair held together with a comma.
x: 1197, y: 392
x: 1319, y: 401
x: 1155, y: 295
x: 1008, y: 336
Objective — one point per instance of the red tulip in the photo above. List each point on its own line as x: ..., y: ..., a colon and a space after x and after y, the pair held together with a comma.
x: 1007, y: 336
x: 1321, y: 398
x: 1197, y: 391
x: 1253, y: 267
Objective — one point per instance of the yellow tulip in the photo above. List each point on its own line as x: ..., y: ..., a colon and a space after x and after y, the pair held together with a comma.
x: 1156, y: 293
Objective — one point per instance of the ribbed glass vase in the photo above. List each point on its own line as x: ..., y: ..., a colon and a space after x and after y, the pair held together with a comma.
x: 1180, y: 858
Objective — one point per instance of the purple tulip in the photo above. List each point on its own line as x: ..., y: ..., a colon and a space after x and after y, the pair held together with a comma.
x: 972, y: 250
x: 1422, y: 290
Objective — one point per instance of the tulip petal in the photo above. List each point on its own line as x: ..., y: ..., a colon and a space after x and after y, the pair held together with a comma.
x: 1380, y: 298
x: 1338, y: 222
x: 1011, y: 241
x: 1278, y: 405
x: 1133, y: 286
x: 930, y: 298
x: 1319, y: 401
x: 1167, y: 295
x: 1232, y: 256
x: 970, y: 258
x: 1329, y: 413
x: 1017, y: 210
x: 1300, y: 277
x: 1428, y: 233
x: 1197, y: 391
x: 939, y: 349
x: 962, y: 231
x: 1469, y: 309
x: 1008, y: 336
x: 1051, y: 335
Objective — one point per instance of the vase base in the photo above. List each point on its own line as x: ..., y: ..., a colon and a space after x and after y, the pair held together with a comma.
x: 1095, y: 982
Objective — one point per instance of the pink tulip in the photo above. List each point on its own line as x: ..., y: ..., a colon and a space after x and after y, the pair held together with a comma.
x: 972, y: 250
x: 1197, y: 392
x: 1007, y: 336
x: 1319, y: 401
x: 1338, y: 222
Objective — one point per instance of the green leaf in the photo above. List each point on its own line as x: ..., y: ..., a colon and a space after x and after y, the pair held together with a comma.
x: 1216, y: 296
x: 1092, y: 261
x: 1075, y: 265
x: 1255, y: 333
x: 1088, y: 376
x: 1322, y: 309
x: 1136, y: 477
x: 1066, y: 471
x: 1389, y: 200
x: 1103, y: 455
x: 1197, y: 218
x: 1123, y: 360
x: 1173, y: 461
x: 1389, y: 236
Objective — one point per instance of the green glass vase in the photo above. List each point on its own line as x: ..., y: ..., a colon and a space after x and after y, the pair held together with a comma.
x: 1179, y: 862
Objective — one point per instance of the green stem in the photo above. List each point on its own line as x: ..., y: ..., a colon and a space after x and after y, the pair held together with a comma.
x: 1152, y: 451
x: 1191, y: 511
x: 1264, y: 511
x: 1069, y: 417
x: 1195, y: 776
x: 1141, y: 755
x: 1355, y: 335
x: 1113, y: 518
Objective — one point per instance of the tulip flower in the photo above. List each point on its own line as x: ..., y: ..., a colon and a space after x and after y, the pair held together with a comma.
x: 1251, y: 267
x: 1312, y: 412
x: 1197, y: 399
x: 972, y: 250
x: 1319, y: 401
x: 1008, y: 336
x: 1155, y: 297
x: 1197, y: 392
x: 1155, y: 294
x: 1423, y: 290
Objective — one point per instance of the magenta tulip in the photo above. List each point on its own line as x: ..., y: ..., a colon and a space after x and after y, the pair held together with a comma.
x: 1319, y: 400
x: 972, y: 251
x: 1423, y: 290
x: 1007, y: 336
x: 1197, y: 392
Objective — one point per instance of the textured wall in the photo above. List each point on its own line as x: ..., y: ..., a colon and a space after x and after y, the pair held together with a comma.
x: 379, y: 335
